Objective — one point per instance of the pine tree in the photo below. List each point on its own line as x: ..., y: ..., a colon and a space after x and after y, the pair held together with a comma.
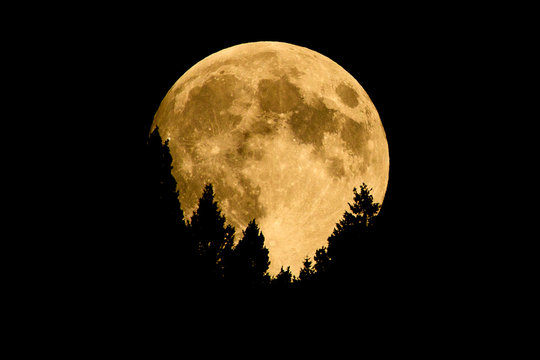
x: 166, y: 246
x: 322, y: 264
x: 307, y: 272
x: 283, y: 280
x: 364, y: 209
x: 165, y: 210
x: 212, y: 238
x: 248, y: 265
x: 356, y: 225
x: 340, y: 259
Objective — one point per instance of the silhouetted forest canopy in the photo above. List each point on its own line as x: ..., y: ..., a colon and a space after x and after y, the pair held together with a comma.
x: 202, y: 251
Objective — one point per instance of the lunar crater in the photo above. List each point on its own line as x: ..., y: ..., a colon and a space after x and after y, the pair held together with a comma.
x: 336, y: 167
x: 278, y: 96
x: 311, y: 122
x: 347, y: 95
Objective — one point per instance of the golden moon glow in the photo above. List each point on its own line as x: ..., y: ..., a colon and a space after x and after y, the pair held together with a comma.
x: 283, y: 133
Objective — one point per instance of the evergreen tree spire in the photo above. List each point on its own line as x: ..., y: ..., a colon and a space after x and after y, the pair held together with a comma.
x: 212, y: 237
x: 164, y: 202
x: 340, y: 258
x: 250, y: 261
x: 306, y: 273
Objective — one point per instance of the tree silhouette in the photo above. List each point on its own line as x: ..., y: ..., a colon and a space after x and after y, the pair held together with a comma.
x: 307, y: 272
x: 166, y: 212
x: 283, y: 280
x: 248, y: 265
x: 212, y: 238
x: 168, y: 250
x: 339, y: 261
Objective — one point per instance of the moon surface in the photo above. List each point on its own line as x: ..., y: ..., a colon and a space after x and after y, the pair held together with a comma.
x: 283, y: 133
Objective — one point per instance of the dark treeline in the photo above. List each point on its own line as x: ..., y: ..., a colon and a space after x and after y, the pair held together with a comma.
x: 376, y: 268
x: 201, y: 252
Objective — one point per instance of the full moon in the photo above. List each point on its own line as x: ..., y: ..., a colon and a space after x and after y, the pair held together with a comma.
x: 283, y: 133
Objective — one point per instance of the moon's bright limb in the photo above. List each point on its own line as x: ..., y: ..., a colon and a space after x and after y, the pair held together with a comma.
x: 283, y: 133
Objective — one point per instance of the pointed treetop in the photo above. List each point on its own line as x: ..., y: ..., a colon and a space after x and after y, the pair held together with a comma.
x: 363, y: 208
